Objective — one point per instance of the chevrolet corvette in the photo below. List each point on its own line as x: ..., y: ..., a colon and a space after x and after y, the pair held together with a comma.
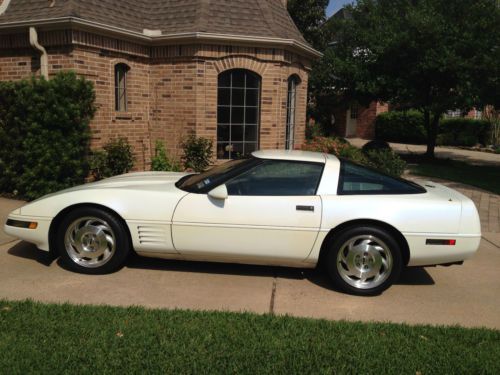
x: 285, y: 208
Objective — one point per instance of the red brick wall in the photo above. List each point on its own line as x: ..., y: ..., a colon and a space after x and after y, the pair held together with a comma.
x: 365, y: 127
x: 170, y: 96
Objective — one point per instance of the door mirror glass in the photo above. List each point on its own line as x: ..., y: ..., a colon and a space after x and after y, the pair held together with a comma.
x: 220, y: 192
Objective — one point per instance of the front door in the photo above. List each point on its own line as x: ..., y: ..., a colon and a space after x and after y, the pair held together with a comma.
x: 271, y: 213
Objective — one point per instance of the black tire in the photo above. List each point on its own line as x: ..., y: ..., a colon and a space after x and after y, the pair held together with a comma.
x: 381, y: 247
x: 112, y: 260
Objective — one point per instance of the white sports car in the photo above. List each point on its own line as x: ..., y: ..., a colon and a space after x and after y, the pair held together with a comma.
x: 286, y: 208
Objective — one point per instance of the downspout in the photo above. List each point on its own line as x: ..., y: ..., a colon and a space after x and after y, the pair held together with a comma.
x: 44, y: 59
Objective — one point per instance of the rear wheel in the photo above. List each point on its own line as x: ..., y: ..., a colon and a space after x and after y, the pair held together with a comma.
x: 93, y: 241
x: 363, y: 260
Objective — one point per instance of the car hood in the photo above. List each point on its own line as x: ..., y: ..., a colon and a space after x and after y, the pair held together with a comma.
x: 135, y: 181
x: 118, y: 193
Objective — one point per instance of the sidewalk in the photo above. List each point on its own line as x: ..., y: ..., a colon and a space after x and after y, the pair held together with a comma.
x: 472, y: 157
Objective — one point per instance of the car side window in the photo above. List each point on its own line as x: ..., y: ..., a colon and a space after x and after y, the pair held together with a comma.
x: 274, y: 178
x: 355, y: 179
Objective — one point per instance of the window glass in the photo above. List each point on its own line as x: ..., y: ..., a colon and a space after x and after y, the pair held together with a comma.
x: 238, y: 107
x: 121, y: 87
x: 355, y: 179
x: 206, y: 181
x: 274, y: 177
x: 290, y: 112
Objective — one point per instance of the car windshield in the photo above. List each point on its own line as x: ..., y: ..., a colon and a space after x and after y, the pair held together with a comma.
x: 206, y: 181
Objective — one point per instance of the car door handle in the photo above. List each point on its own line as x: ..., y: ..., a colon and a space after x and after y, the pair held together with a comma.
x: 305, y: 208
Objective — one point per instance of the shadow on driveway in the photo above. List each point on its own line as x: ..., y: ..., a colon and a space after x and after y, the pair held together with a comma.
x: 29, y: 251
x: 409, y: 276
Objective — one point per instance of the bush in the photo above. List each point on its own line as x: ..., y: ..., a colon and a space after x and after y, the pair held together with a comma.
x: 161, y: 162
x: 313, y: 130
x: 403, y: 127
x: 375, y: 145
x: 44, y: 134
x: 463, y: 132
x: 197, y: 153
x: 384, y: 160
x: 115, y: 159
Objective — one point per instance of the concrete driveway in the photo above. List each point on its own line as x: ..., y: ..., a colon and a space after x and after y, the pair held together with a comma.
x: 468, y: 295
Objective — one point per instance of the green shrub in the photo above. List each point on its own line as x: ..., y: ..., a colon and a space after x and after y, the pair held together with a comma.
x: 197, y: 153
x: 313, y: 130
x: 375, y: 145
x: 329, y: 145
x: 44, y: 134
x: 161, y: 162
x: 463, y: 132
x: 399, y: 126
x: 386, y: 161
x: 115, y: 159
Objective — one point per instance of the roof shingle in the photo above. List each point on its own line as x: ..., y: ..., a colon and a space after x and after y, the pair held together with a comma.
x: 259, y: 18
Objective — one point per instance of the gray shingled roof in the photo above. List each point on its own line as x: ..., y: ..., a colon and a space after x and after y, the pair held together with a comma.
x: 259, y: 18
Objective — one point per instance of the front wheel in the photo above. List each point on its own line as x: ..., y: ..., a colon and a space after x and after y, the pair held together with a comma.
x: 92, y: 241
x: 364, y: 260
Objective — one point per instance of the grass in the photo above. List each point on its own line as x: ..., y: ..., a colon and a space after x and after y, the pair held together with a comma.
x: 484, y: 177
x: 46, y: 338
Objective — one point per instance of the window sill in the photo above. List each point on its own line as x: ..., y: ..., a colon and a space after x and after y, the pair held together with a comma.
x: 123, y: 115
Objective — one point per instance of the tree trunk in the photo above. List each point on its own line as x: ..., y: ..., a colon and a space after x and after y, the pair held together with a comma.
x: 432, y: 131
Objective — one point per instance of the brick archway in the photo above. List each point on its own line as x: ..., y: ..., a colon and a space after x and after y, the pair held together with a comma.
x: 240, y: 62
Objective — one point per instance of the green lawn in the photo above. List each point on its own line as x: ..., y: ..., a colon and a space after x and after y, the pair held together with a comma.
x: 484, y: 177
x: 85, y: 339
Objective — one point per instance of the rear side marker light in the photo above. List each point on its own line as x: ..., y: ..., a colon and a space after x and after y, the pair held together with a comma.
x: 440, y: 242
x: 22, y: 224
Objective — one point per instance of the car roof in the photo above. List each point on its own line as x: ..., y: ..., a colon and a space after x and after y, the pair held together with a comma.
x: 309, y: 156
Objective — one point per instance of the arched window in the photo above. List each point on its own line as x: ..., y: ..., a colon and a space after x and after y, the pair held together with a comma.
x: 291, y: 103
x: 121, y: 71
x: 238, y: 113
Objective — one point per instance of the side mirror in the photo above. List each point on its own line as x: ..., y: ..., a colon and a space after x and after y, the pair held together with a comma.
x: 220, y: 192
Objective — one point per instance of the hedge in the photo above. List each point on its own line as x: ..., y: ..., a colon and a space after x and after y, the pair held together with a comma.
x: 463, y: 132
x: 408, y: 127
x: 403, y: 127
x: 44, y: 134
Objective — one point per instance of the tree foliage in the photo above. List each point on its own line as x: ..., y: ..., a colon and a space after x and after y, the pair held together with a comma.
x: 310, y: 16
x: 44, y: 134
x: 432, y: 55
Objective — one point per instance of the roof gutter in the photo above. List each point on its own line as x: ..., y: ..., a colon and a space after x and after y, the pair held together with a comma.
x: 168, y: 38
x: 44, y: 59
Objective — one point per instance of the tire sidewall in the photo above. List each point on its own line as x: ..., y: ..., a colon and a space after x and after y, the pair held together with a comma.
x: 334, y: 246
x: 121, y: 237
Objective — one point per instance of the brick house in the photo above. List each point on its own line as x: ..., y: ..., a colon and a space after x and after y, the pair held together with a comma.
x: 234, y: 71
x: 357, y: 120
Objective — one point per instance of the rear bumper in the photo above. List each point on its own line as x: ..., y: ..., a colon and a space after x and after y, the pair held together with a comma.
x: 38, y: 236
x: 422, y: 254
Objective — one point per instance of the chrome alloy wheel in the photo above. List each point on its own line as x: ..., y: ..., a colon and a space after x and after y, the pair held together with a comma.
x: 90, y: 242
x: 364, y: 262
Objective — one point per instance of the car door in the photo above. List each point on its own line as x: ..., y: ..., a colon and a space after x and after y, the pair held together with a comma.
x: 271, y: 212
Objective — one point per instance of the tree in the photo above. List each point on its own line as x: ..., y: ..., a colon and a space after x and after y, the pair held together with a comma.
x: 432, y: 55
x: 309, y: 16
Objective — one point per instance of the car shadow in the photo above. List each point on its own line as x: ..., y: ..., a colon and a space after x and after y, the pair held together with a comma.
x: 409, y: 276
x: 317, y: 276
x: 138, y: 262
x: 29, y: 251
